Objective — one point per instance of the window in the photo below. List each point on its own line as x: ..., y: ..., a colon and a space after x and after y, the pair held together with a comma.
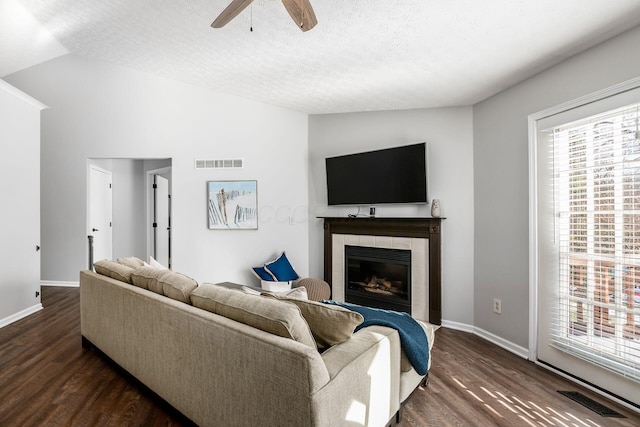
x: 596, y: 209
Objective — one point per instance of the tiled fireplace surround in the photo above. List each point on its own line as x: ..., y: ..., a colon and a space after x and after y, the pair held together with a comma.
x: 419, y: 235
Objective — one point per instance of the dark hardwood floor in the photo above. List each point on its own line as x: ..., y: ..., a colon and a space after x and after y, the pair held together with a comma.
x: 47, y: 378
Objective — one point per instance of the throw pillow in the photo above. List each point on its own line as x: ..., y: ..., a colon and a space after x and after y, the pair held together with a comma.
x: 295, y: 293
x: 262, y: 274
x: 114, y: 270
x: 250, y: 291
x: 328, y: 325
x: 131, y: 261
x: 268, y: 314
x: 155, y: 264
x: 281, y: 269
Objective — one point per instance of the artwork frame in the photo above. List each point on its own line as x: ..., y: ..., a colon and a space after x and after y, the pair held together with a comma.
x: 232, y: 205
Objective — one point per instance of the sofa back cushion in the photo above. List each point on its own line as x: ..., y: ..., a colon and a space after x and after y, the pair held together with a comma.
x: 164, y: 282
x: 177, y: 286
x: 330, y: 325
x: 131, y: 261
x: 270, y: 315
x: 114, y: 270
x: 147, y: 278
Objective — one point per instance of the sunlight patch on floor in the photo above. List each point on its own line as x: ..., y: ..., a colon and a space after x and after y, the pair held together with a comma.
x: 529, y: 412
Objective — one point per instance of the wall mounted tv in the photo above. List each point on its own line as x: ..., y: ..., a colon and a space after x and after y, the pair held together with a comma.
x: 392, y: 175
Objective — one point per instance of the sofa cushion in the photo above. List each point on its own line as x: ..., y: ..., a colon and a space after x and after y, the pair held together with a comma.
x: 147, y: 278
x: 177, y: 286
x: 114, y: 270
x: 330, y: 325
x: 131, y: 261
x: 268, y: 314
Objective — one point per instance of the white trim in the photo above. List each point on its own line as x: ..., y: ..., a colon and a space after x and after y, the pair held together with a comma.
x: 587, y: 99
x: 533, y: 240
x: 20, y: 315
x: 587, y: 386
x: 149, y: 214
x: 500, y: 342
x: 59, y: 283
x: 12, y: 90
x: 533, y: 194
x: 457, y: 326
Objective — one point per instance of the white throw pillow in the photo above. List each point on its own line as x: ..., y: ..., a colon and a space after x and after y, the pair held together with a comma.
x: 155, y: 264
x: 295, y: 293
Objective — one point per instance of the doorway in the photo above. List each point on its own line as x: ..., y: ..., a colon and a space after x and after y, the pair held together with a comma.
x: 129, y: 214
x: 159, y: 218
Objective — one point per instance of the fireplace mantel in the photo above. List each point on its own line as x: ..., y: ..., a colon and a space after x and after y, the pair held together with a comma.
x: 425, y: 228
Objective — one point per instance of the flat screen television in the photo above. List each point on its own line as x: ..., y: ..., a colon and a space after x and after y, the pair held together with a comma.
x: 392, y: 175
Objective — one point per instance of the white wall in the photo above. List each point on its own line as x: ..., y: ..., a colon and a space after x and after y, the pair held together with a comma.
x: 104, y: 111
x: 129, y: 208
x: 20, y: 213
x: 501, y: 176
x: 449, y: 134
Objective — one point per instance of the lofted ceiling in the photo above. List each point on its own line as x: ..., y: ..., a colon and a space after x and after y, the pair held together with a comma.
x: 363, y: 55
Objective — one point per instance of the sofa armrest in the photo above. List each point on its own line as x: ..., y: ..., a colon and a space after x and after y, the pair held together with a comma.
x: 364, y: 379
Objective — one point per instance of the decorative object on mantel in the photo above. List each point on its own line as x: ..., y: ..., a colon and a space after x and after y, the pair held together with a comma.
x: 232, y: 205
x: 435, y: 208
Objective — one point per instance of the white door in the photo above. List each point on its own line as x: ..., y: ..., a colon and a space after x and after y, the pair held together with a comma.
x: 161, y: 221
x: 20, y: 212
x: 100, y: 212
x: 587, y: 243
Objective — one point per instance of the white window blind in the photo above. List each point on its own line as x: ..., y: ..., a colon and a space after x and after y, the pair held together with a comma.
x: 596, y: 202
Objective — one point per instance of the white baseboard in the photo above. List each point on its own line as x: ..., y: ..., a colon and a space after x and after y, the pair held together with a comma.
x: 457, y: 326
x: 500, y: 342
x: 59, y: 283
x: 19, y: 315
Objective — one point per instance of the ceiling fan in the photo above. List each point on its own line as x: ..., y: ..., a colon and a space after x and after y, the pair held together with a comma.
x: 300, y: 11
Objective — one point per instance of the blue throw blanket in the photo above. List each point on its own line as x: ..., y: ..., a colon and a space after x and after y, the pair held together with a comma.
x: 413, y: 339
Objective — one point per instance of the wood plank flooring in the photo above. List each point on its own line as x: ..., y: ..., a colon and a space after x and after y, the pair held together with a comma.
x: 48, y: 379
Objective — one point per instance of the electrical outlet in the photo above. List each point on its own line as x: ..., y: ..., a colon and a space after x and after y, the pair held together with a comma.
x: 37, y: 294
x: 497, y: 306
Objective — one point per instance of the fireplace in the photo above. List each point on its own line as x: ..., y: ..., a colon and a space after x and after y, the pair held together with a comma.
x: 378, y: 277
x: 420, y: 236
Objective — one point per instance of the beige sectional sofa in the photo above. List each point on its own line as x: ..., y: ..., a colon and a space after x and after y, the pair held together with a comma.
x: 223, y: 372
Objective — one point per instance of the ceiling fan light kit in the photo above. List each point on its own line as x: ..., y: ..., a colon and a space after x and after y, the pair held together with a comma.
x: 300, y: 11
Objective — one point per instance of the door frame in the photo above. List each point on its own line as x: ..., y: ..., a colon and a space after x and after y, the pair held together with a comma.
x: 534, y: 245
x: 150, y: 205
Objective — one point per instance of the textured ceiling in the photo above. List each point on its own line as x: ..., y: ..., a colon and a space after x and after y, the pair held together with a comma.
x: 363, y: 55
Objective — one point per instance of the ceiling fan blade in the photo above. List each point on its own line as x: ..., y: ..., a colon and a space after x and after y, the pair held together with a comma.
x: 302, y: 13
x: 230, y: 12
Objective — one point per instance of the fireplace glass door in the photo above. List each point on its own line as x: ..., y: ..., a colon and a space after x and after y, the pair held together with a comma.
x: 378, y: 277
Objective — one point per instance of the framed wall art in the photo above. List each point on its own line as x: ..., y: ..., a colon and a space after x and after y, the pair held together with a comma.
x: 232, y: 205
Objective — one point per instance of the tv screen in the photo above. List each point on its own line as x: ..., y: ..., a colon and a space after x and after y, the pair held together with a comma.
x: 393, y: 175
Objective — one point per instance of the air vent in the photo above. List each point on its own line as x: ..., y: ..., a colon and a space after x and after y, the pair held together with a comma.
x: 219, y: 163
